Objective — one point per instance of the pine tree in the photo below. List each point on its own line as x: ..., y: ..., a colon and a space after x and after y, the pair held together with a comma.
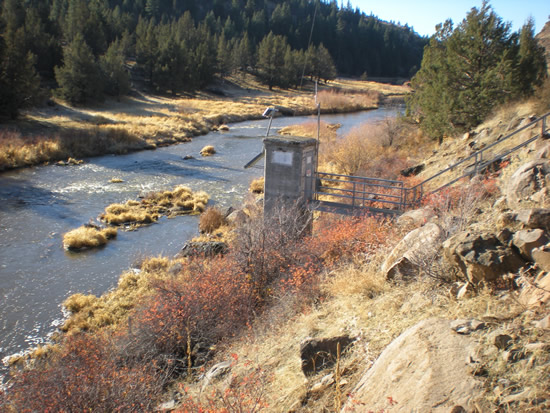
x: 531, y: 64
x: 468, y: 70
x: 19, y: 82
x: 117, y: 79
x: 79, y: 79
x: 271, y: 55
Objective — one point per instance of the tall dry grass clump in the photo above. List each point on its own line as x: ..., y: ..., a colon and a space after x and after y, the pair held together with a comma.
x: 88, y: 237
x: 257, y: 186
x: 208, y: 150
x: 182, y: 200
x: 211, y: 220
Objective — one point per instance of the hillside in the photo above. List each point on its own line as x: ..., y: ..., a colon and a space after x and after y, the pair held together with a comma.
x: 543, y: 37
x: 86, y: 51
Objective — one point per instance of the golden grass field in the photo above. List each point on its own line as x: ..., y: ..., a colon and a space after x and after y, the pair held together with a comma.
x: 143, y: 121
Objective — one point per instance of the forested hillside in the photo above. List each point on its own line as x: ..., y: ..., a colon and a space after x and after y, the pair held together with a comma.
x: 85, y: 50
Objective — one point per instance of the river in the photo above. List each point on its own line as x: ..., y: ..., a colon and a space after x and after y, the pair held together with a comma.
x: 39, y: 204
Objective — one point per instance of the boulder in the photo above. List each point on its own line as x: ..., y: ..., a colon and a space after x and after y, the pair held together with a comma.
x: 425, y: 369
x: 534, y: 218
x: 527, y: 181
x: 536, y: 293
x: 528, y: 239
x: 417, y: 247
x: 416, y: 217
x: 541, y: 257
x: 318, y: 354
x: 481, y: 256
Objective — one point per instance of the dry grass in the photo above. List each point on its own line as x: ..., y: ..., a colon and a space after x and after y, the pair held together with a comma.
x: 358, y: 303
x: 379, y: 150
x: 211, y: 220
x: 133, y: 213
x: 257, y: 186
x: 145, y: 122
x: 208, y: 150
x: 89, y: 313
x: 339, y: 101
x: 327, y: 131
x: 88, y: 237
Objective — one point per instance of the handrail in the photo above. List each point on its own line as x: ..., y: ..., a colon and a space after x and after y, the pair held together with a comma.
x: 411, y: 196
x: 478, y: 156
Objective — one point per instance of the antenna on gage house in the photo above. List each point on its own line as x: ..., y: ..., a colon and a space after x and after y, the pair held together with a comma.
x: 268, y: 113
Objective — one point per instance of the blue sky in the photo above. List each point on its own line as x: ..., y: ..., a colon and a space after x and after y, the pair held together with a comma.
x: 423, y: 15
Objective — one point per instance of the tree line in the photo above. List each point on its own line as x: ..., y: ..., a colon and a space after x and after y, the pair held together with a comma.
x: 85, y: 49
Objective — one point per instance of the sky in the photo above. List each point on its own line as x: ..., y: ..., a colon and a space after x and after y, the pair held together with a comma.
x: 423, y: 15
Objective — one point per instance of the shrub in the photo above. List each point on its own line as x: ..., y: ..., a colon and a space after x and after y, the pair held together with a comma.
x: 83, y: 375
x: 208, y: 301
x: 268, y: 248
x: 211, y: 220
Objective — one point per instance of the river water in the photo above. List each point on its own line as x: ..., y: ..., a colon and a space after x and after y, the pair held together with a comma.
x: 39, y: 204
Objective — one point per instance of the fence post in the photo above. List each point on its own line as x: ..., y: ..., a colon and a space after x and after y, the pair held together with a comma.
x: 353, y: 199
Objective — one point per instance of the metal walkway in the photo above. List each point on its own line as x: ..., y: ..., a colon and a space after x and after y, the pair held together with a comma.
x: 354, y: 195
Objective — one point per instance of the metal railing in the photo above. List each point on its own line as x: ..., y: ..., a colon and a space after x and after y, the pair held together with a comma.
x: 391, y: 196
x: 415, y: 194
x: 346, y: 191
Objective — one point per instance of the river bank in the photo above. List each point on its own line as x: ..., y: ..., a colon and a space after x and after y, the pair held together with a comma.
x: 57, y: 132
x: 39, y: 204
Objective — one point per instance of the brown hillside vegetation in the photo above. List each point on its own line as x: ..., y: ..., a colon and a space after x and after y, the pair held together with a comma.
x: 143, y: 121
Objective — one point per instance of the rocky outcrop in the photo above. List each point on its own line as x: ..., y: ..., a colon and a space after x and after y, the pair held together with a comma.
x: 417, y: 247
x: 527, y: 183
x: 426, y: 369
x: 481, y: 256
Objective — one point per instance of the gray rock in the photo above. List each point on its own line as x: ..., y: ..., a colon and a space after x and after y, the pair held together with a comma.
x: 503, y: 341
x: 416, y: 217
x: 318, y: 354
x: 534, y: 218
x: 541, y: 257
x: 417, y: 247
x: 466, y: 326
x: 203, y: 249
x: 218, y: 370
x: 481, y: 256
x: 465, y: 291
x: 543, y: 323
x: 527, y: 240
